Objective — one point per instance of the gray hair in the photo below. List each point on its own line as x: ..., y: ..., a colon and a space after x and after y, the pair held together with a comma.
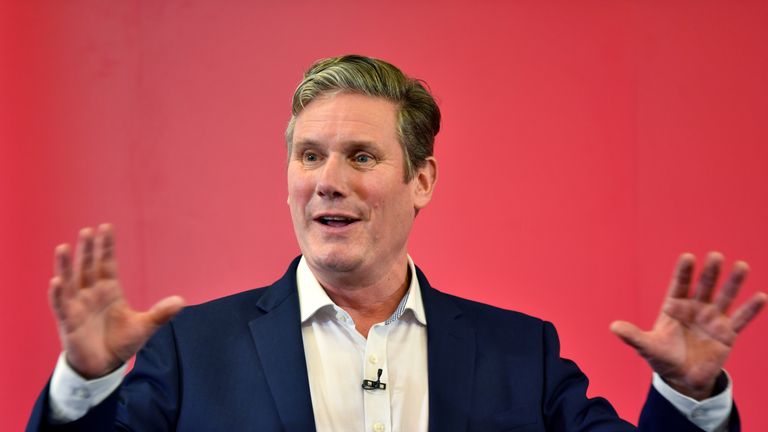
x: 418, y: 116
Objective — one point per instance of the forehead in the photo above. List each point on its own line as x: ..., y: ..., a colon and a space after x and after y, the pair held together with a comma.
x: 347, y: 117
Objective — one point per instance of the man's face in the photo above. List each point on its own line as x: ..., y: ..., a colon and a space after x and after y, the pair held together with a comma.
x: 351, y: 208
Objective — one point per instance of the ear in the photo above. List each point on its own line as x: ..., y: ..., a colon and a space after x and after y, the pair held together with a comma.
x: 424, y: 183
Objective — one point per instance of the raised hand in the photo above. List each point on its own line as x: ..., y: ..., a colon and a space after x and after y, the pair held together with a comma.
x: 99, y: 331
x: 694, y: 334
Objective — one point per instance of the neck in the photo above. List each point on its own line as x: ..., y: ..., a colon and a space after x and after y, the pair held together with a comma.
x: 368, y: 301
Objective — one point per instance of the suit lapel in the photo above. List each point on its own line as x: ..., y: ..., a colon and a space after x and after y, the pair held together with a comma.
x: 277, y: 335
x: 450, y: 359
x: 450, y: 356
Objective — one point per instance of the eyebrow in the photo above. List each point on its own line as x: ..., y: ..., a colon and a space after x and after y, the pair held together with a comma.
x: 355, y: 144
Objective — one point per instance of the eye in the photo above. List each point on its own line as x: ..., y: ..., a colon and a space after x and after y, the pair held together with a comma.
x: 364, y: 159
x: 309, y: 157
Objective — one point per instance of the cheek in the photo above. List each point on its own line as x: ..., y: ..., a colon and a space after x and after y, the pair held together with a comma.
x: 300, y: 188
x: 394, y: 205
x: 376, y: 197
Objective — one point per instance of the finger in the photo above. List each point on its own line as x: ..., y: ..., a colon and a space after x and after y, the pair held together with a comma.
x: 62, y: 269
x: 708, y: 277
x: 57, y: 297
x: 85, y: 266
x: 630, y: 334
x: 681, y: 279
x: 748, y: 311
x: 164, y: 310
x: 731, y: 287
x: 106, y: 264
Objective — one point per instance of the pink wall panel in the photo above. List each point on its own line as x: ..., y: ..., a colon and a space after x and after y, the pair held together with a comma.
x: 584, y: 145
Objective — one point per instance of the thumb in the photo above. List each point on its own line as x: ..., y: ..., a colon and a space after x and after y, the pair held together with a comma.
x: 164, y: 310
x: 630, y: 334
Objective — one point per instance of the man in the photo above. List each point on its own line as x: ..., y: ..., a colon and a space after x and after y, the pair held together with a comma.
x: 353, y: 337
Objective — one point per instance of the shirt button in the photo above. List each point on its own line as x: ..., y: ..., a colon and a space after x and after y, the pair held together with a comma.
x: 378, y: 427
x: 373, y: 359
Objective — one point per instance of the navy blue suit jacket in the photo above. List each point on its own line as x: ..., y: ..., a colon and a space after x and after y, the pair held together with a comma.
x: 237, y: 363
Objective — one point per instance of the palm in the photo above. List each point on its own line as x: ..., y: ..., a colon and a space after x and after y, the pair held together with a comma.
x: 685, y: 351
x: 98, y: 329
x: 693, y: 335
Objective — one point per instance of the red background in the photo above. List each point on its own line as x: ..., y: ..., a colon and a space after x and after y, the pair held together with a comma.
x: 585, y: 145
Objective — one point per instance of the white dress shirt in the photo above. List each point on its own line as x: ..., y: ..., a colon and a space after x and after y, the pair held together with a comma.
x: 339, y: 358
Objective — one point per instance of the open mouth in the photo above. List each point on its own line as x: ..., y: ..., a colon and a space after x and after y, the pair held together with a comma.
x: 335, y: 221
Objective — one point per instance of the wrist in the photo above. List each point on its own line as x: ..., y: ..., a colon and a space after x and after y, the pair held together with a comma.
x: 90, y: 371
x: 71, y: 395
x: 699, y: 392
x: 709, y: 414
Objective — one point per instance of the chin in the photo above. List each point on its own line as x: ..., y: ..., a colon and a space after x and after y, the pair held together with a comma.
x: 335, y: 261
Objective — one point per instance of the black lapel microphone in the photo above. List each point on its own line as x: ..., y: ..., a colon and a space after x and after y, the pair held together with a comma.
x: 374, y: 385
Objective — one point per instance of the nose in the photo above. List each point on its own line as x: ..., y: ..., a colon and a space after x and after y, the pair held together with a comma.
x: 332, y: 182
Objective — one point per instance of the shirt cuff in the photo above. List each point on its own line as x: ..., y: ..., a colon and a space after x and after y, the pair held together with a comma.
x: 710, y: 414
x: 71, y: 396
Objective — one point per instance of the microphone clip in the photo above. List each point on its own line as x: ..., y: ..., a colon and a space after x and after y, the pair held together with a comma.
x: 375, y: 385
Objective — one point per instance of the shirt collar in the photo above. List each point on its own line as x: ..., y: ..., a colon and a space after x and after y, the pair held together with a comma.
x: 313, y: 298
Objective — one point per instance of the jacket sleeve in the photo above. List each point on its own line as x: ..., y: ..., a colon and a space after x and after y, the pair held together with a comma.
x: 660, y: 415
x: 147, y: 400
x: 566, y: 406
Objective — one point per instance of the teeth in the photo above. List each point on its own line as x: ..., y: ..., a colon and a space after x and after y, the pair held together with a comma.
x: 335, y: 220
